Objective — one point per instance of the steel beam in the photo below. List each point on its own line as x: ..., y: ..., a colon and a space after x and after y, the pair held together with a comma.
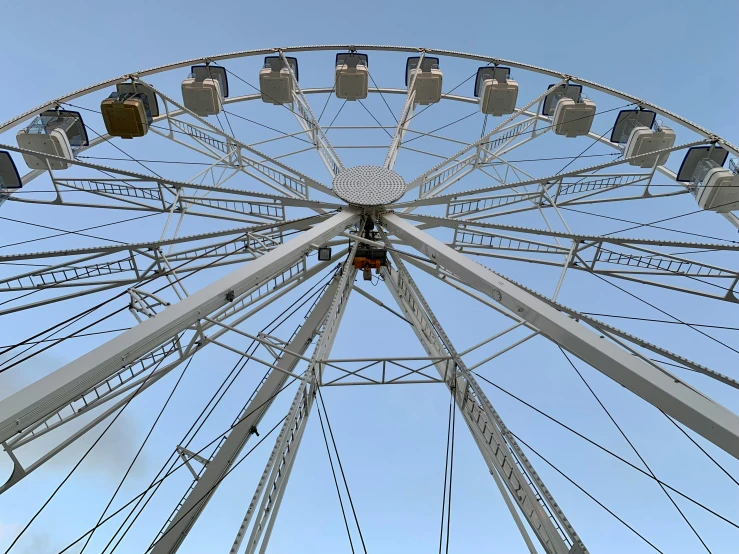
x: 189, y: 511
x: 481, y: 142
x: 617, y: 335
x: 121, y: 387
x: 283, y: 458
x: 281, y: 172
x: 498, y: 448
x: 303, y: 113
x: 40, y: 399
x: 443, y: 199
x: 404, y: 121
x: 658, y: 387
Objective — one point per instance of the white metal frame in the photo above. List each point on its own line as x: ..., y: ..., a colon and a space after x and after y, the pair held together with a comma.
x: 167, y: 333
x: 657, y: 386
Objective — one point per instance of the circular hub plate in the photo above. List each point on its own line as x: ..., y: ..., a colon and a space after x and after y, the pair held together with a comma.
x: 369, y: 185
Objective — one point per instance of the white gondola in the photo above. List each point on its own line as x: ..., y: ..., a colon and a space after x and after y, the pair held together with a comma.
x: 572, y: 114
x: 639, y: 131
x: 128, y: 112
x: 275, y: 81
x: 56, y: 132
x: 9, y: 176
x: 715, y: 187
x: 204, y: 90
x: 428, y: 79
x: 573, y: 118
x: 497, y: 91
x: 352, y: 76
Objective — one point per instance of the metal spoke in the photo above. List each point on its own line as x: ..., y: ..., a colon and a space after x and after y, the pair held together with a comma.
x: 452, y: 162
x: 640, y: 264
x: 249, y: 248
x: 435, y: 183
x: 678, y: 399
x: 647, y: 261
x: 113, y: 189
x: 262, y: 167
x: 309, y: 123
x: 604, y: 328
x: 498, y: 447
x: 406, y: 115
x: 443, y: 199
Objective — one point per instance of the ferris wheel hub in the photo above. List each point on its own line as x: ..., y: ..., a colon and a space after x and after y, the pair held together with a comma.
x: 369, y: 185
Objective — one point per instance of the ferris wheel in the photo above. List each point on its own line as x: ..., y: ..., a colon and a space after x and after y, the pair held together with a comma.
x: 245, y: 197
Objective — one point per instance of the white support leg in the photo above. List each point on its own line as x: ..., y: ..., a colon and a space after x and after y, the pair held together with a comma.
x: 121, y: 387
x: 658, y: 387
x: 36, y: 402
x: 189, y: 511
x: 283, y: 455
x: 628, y: 342
x: 276, y: 473
x: 499, y: 450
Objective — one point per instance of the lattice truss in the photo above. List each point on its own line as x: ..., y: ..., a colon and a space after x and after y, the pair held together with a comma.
x: 196, y: 246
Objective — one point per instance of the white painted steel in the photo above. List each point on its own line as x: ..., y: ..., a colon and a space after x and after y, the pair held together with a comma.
x: 359, y: 187
x: 198, y: 497
x: 497, y: 447
x: 613, y: 332
x: 36, y: 401
x: 309, y: 122
x: 660, y: 388
x: 283, y: 464
x: 370, y: 47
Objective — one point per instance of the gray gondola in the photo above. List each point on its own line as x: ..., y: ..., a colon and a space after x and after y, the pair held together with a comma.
x: 572, y: 114
x: 641, y: 133
x: 715, y: 187
x: 428, y: 79
x: 352, y: 76
x: 55, y: 132
x: 204, y: 90
x: 275, y: 80
x: 496, y: 90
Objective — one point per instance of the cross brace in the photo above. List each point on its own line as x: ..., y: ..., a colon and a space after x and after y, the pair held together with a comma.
x: 37, y: 401
x: 520, y: 479
x: 655, y: 385
x: 185, y: 517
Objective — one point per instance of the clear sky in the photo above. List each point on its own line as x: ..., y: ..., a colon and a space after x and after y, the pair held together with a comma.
x: 680, y: 55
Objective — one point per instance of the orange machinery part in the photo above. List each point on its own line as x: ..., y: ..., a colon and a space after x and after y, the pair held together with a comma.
x: 361, y: 263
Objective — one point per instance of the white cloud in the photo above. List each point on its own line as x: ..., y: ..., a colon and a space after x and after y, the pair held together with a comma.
x: 8, y: 531
x: 110, y: 457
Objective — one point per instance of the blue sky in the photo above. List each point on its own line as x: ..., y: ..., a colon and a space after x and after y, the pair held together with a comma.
x: 676, y: 54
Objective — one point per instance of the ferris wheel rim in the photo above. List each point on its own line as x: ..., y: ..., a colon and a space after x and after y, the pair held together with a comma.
x: 177, y: 65
x: 407, y: 205
x: 388, y: 48
x: 710, y: 138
